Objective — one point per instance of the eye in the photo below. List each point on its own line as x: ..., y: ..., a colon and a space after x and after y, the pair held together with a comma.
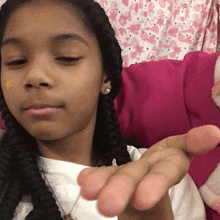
x: 68, y: 59
x: 16, y: 62
x: 64, y: 59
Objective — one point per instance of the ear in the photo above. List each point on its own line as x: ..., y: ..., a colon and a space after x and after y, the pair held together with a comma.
x: 106, y: 85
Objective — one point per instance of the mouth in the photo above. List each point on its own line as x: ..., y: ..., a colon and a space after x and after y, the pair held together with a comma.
x: 41, y: 108
x: 41, y: 111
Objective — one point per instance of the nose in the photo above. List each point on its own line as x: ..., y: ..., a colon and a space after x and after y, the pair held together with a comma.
x: 39, y: 75
x: 36, y: 85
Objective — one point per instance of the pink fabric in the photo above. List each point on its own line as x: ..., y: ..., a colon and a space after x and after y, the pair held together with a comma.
x: 1, y: 122
x: 164, y: 29
x: 167, y: 97
x: 163, y: 98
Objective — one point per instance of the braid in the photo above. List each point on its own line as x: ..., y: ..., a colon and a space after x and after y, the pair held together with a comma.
x: 13, y: 191
x: 108, y: 142
x: 19, y: 172
x: 39, y: 192
x: 97, y: 21
x: 10, y: 190
x: 117, y: 144
x: 110, y: 48
x: 12, y: 198
x: 5, y: 164
x: 26, y: 164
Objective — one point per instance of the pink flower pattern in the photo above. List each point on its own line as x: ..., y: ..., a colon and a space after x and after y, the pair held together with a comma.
x: 150, y: 30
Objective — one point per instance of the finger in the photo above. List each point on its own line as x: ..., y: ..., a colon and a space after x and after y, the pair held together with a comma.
x: 92, y: 181
x: 202, y: 139
x: 162, y: 176
x: 116, y: 194
x: 149, y: 192
x: 84, y: 173
x: 197, y: 141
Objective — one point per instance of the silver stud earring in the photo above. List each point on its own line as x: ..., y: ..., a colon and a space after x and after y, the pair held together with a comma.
x: 107, y: 91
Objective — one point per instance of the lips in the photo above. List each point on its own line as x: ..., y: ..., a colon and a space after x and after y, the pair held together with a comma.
x: 42, y: 111
x: 41, y: 106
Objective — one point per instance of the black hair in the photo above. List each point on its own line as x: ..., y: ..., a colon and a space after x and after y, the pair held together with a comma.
x: 19, y: 172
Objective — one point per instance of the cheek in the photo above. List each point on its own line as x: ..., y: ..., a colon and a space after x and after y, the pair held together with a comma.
x: 11, y: 95
x: 11, y: 103
x: 85, y: 83
x: 84, y: 94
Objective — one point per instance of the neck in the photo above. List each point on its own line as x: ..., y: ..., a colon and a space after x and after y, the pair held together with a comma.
x: 76, y: 148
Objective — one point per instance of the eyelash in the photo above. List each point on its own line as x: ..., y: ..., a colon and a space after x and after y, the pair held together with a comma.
x: 64, y: 59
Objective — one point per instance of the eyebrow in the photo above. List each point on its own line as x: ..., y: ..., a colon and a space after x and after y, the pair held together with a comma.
x: 53, y: 39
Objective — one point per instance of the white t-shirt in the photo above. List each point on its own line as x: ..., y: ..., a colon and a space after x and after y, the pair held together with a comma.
x: 185, y: 198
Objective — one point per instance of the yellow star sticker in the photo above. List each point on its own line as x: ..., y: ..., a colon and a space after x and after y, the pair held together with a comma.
x: 8, y: 84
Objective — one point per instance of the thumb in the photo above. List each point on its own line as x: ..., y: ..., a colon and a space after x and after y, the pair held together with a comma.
x: 197, y: 141
x: 202, y: 139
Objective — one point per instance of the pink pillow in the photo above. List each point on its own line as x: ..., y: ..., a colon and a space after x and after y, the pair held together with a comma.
x: 168, y: 97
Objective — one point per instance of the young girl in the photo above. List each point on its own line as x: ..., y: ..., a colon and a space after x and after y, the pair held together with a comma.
x: 60, y: 72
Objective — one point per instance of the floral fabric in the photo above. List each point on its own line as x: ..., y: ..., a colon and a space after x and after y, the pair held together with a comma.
x: 151, y: 30
x: 163, y: 29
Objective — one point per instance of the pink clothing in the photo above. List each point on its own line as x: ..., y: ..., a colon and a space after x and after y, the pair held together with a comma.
x: 163, y: 98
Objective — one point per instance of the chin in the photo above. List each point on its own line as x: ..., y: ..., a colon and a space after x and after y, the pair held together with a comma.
x: 44, y: 134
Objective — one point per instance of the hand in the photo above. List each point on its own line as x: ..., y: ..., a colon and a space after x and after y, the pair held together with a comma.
x: 143, y: 183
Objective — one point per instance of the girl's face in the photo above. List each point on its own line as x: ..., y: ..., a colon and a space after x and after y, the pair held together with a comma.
x: 37, y: 39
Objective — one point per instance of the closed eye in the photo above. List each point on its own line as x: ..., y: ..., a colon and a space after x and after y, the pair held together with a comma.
x: 68, y: 59
x: 63, y: 59
x: 16, y: 62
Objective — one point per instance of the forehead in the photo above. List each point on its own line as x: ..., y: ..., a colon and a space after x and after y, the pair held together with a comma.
x: 37, y: 20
